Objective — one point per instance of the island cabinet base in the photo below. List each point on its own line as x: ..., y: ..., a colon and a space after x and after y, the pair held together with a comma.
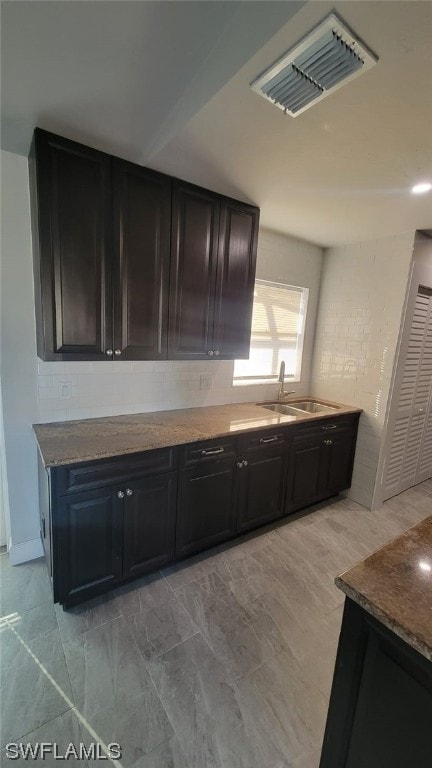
x: 380, y: 712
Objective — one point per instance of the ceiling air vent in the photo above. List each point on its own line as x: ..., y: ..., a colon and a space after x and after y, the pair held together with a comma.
x: 322, y: 62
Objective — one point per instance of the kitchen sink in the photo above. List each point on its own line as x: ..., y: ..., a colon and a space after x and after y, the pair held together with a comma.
x: 312, y: 406
x: 287, y: 410
x: 296, y: 407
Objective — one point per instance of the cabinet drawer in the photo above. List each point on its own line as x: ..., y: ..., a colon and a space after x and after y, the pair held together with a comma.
x: 81, y: 477
x: 264, y: 439
x: 207, y: 451
x: 325, y: 427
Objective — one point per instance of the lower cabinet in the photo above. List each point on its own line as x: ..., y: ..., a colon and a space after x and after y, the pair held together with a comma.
x: 111, y: 520
x: 320, y: 465
x: 262, y: 483
x: 113, y: 533
x: 207, y: 506
x: 304, y: 474
x: 380, y: 710
x: 338, y: 461
x: 88, y: 549
x: 149, y: 523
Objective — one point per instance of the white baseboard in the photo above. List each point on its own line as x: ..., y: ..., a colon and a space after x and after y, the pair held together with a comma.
x: 22, y: 553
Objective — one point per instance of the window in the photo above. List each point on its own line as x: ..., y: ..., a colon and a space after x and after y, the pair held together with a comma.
x: 278, y: 320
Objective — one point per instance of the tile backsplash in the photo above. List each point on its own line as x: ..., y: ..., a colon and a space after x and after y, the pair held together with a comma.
x: 83, y: 390
x: 361, y: 300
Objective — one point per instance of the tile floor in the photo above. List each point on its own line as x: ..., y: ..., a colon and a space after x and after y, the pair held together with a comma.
x: 223, y: 661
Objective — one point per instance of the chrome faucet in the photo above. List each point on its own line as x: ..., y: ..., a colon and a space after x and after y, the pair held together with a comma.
x: 281, y: 378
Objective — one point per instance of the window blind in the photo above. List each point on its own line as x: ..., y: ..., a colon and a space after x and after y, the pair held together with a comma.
x: 277, y: 331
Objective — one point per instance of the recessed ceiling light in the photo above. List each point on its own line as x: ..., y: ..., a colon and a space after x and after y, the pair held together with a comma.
x: 420, y: 189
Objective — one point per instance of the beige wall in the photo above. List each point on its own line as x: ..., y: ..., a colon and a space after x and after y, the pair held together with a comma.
x: 18, y: 355
x: 362, y: 297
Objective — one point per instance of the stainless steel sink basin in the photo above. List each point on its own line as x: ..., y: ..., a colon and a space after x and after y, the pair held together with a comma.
x: 312, y: 406
x: 286, y: 410
x: 296, y: 407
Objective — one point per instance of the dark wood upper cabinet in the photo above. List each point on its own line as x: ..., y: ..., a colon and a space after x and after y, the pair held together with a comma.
x: 238, y: 234
x: 141, y: 220
x: 71, y: 219
x: 194, y: 252
x: 214, y: 243
x: 131, y: 264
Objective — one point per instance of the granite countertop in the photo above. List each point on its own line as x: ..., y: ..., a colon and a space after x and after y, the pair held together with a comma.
x: 71, y: 442
x: 395, y: 585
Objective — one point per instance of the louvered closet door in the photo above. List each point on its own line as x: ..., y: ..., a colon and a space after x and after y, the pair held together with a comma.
x: 410, y: 451
x: 424, y: 467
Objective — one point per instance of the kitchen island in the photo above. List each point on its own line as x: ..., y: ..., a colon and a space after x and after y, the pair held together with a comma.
x: 380, y: 713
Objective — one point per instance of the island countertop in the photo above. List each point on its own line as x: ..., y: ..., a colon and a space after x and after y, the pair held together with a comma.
x: 394, y: 584
x: 72, y: 442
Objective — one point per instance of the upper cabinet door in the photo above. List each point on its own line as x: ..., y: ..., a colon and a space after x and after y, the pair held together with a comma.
x: 235, y: 279
x: 71, y: 212
x: 142, y: 219
x: 194, y: 248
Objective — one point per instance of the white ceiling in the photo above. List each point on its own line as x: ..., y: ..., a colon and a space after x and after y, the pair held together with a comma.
x: 167, y: 84
x: 123, y: 76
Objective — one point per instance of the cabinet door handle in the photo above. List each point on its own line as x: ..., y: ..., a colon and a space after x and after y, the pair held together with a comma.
x: 211, y: 451
x: 129, y: 492
x: 120, y: 494
x: 240, y: 464
x: 330, y: 426
x: 328, y: 442
x: 273, y: 439
x: 211, y: 353
x: 245, y: 463
x: 117, y: 352
x: 109, y: 352
x: 217, y: 353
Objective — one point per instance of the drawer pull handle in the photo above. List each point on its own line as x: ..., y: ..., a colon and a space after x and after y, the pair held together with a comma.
x: 328, y: 442
x: 211, y: 451
x: 330, y: 426
x: 269, y: 439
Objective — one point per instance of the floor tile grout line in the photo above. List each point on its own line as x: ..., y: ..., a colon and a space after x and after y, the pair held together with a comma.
x: 90, y: 629
x: 175, y: 730
x: 66, y: 698
x: 45, y: 723
x: 171, y: 648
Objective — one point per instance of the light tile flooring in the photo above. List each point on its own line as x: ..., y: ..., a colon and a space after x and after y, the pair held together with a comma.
x: 223, y: 661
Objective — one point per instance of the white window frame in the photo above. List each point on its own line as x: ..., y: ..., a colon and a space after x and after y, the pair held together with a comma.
x: 296, y: 377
